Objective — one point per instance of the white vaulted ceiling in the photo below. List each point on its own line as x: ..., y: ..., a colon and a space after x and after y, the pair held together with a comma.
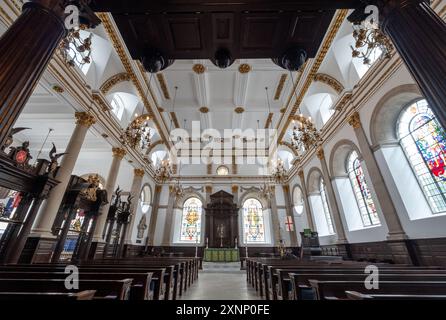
x: 221, y: 91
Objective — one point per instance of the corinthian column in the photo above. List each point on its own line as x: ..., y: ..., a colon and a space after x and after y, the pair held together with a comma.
x: 47, y: 213
x: 332, y: 198
x: 135, y: 190
x: 169, y: 218
x: 118, y: 155
x: 306, y: 202
x: 154, y: 215
x: 275, y: 217
x: 396, y: 231
x: 289, y: 213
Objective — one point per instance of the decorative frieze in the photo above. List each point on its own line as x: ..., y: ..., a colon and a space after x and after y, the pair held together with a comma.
x: 354, y: 120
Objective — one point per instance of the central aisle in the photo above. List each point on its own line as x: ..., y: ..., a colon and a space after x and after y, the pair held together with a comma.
x: 220, y: 281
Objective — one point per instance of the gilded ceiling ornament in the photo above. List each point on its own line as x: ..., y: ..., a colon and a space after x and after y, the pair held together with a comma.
x: 199, y: 68
x: 234, y: 189
x: 320, y: 154
x: 163, y: 85
x: 204, y: 109
x: 102, y: 103
x: 330, y: 81
x: 282, y: 110
x: 239, y: 110
x: 139, y: 172
x: 84, y: 119
x: 301, y: 174
x: 58, y: 89
x: 280, y: 86
x: 119, y: 152
x: 244, y: 68
x: 346, y: 98
x: 114, y: 80
x: 354, y: 120
x: 160, y: 109
x: 208, y: 189
x: 286, y: 187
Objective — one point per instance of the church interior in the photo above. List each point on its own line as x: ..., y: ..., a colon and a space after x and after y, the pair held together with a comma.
x: 217, y: 150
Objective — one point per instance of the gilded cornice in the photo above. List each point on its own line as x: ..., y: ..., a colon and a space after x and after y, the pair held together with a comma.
x: 163, y: 85
x: 114, y: 80
x: 339, y: 19
x: 269, y: 120
x: 329, y: 81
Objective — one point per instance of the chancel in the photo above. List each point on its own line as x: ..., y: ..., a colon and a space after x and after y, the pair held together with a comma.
x: 218, y: 150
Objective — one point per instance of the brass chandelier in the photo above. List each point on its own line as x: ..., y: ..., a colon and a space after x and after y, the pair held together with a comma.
x: 279, y: 172
x: 305, y: 135
x: 370, y: 40
x: 74, y: 49
x: 164, y: 171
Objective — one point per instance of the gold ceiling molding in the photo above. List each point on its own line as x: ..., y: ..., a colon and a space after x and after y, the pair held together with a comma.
x: 239, y: 110
x: 290, y: 146
x: 139, y: 172
x: 345, y: 99
x: 354, y: 120
x: 339, y: 19
x: 160, y: 109
x: 102, y: 104
x: 280, y: 86
x: 175, y: 119
x: 119, y: 152
x: 114, y: 80
x: 204, y: 109
x: 244, y: 68
x: 119, y: 47
x: 58, y: 89
x: 282, y: 110
x: 320, y: 153
x: 163, y: 85
x: 198, y: 68
x: 269, y: 120
x: 329, y: 81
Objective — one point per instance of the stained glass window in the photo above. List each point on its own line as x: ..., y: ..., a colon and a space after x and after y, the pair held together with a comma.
x: 327, y: 213
x: 363, y: 196
x: 253, y: 223
x: 191, y: 221
x: 424, y: 142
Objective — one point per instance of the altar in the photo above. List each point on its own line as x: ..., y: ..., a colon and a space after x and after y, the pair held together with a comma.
x: 221, y: 255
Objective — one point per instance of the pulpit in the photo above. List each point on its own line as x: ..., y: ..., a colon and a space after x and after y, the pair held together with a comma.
x: 222, y: 221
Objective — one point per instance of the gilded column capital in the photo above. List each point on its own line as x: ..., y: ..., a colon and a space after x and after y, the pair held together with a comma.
x: 84, y: 119
x: 139, y: 172
x: 320, y: 153
x: 301, y: 174
x: 234, y: 189
x: 354, y: 120
x: 208, y: 189
x: 286, y: 187
x: 119, y: 153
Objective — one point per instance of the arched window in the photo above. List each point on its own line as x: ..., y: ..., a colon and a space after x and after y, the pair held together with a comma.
x: 191, y: 221
x: 424, y: 143
x: 298, y: 201
x: 222, y: 171
x: 118, y: 105
x: 362, y: 193
x: 145, y: 199
x: 253, y: 222
x: 327, y: 213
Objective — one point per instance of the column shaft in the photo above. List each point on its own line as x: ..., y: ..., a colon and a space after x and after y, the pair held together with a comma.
x: 275, y: 218
x: 169, y: 218
x: 135, y: 192
x: 306, y: 202
x: 289, y: 213
x: 332, y: 199
x: 154, y: 215
x: 50, y: 207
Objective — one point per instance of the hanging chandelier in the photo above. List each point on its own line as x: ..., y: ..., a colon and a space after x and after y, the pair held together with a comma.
x: 370, y: 40
x: 74, y: 49
x: 138, y: 132
x: 305, y: 135
x: 164, y: 171
x: 279, y: 172
x: 266, y: 191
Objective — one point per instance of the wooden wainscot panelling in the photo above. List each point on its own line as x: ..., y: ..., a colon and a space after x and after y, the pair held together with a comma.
x: 38, y: 250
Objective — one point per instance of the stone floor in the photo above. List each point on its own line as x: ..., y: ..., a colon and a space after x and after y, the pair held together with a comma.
x: 221, y: 281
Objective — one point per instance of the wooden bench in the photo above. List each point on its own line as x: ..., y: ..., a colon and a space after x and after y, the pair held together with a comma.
x: 141, y: 282
x: 47, y: 296
x: 337, y: 289
x: 353, y: 295
x: 109, y: 289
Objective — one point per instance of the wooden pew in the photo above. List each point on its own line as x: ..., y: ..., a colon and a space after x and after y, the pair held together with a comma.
x: 337, y: 289
x: 159, y: 277
x: 47, y: 296
x: 301, y: 288
x: 353, y: 295
x: 140, y: 289
x: 109, y: 289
